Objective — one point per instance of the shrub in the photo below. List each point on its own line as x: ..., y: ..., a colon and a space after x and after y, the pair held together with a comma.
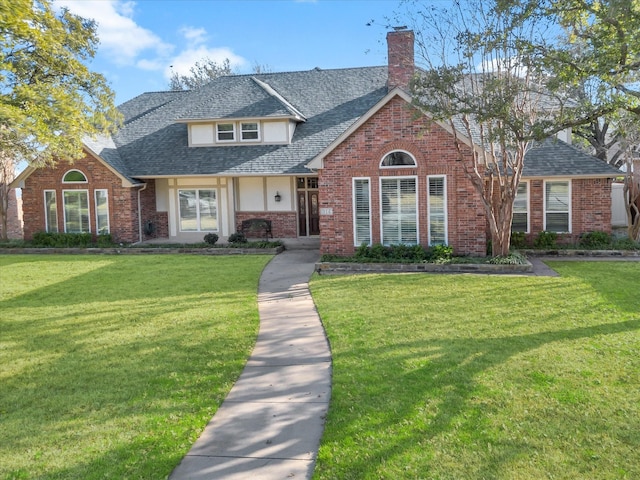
x: 514, y: 258
x: 518, y: 240
x: 546, y: 240
x: 441, y: 253
x: 211, y: 238
x: 104, y: 240
x: 61, y: 240
x: 595, y: 239
x: 626, y: 244
x: 237, y: 237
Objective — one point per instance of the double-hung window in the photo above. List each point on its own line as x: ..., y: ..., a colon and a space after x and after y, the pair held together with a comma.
x: 557, y: 206
x: 249, y: 132
x: 361, y: 211
x: 198, y: 210
x: 102, y: 211
x: 50, y: 211
x: 399, y: 208
x: 520, y: 219
x: 76, y: 211
x: 226, y: 132
x: 437, y: 206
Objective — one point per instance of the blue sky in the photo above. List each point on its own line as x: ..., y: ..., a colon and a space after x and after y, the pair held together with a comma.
x: 142, y: 40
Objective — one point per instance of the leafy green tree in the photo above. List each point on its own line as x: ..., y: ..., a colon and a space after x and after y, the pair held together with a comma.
x: 49, y: 99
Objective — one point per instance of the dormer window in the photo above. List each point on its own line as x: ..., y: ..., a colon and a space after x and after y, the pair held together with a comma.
x: 249, y: 131
x: 226, y: 132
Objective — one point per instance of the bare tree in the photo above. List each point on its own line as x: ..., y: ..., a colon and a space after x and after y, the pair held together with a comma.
x: 200, y: 74
x: 479, y: 79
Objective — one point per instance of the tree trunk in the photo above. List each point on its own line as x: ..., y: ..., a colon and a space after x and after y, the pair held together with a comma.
x: 4, y: 210
x: 632, y: 199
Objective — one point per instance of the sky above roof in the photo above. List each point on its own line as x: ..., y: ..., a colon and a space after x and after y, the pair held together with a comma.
x: 142, y: 42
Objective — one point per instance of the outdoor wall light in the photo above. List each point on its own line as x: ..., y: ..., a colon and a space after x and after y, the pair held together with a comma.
x: 278, y: 197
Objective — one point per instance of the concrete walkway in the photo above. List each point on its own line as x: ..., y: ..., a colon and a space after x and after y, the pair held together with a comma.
x: 270, y: 424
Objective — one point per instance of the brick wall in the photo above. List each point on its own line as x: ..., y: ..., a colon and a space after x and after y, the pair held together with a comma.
x: 123, y: 207
x: 590, y: 208
x: 283, y: 224
x: 395, y: 128
x: 14, y: 216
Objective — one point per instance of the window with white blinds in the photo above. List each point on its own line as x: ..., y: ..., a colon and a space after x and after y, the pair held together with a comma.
x: 437, y: 206
x: 557, y: 206
x: 399, y: 219
x: 520, y: 219
x: 361, y: 211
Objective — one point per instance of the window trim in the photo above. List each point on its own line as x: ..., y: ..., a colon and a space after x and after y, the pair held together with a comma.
x: 233, y: 132
x: 64, y: 209
x: 355, y: 211
x: 528, y: 212
x: 446, y: 208
x: 46, y: 212
x: 95, y: 199
x: 544, y: 205
x: 417, y: 205
x: 415, y: 163
x: 73, y: 170
x: 199, y: 223
x: 257, y: 131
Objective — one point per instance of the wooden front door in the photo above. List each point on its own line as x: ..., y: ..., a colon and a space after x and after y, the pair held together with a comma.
x: 308, y: 207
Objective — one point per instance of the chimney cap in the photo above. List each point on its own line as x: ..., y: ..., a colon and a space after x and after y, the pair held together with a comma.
x: 400, y: 28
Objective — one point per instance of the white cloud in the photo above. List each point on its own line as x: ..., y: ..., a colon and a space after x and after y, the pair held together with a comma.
x: 194, y: 35
x: 125, y: 42
x: 121, y: 38
x: 183, y: 62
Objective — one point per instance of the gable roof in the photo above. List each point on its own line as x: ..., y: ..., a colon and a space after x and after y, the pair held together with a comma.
x: 154, y: 140
x: 327, y: 105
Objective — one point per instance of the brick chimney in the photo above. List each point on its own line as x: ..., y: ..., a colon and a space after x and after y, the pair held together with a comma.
x: 401, y: 59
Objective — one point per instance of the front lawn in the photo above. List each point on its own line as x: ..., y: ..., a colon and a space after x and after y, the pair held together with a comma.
x: 472, y: 377
x: 111, y: 366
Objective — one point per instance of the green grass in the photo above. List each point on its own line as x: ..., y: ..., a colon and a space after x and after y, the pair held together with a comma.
x: 483, y: 377
x: 111, y: 366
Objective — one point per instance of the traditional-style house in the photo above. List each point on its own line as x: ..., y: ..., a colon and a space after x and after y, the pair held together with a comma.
x: 332, y: 154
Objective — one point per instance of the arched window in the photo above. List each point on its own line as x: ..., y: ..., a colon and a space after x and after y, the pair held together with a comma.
x: 398, y: 159
x: 74, y: 176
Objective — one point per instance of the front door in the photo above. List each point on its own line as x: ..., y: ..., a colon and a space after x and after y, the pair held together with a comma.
x: 308, y: 206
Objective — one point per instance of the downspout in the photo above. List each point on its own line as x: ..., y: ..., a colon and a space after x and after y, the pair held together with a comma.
x: 144, y: 187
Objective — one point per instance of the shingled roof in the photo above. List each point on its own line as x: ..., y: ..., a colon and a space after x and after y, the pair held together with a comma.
x: 555, y: 158
x: 154, y: 142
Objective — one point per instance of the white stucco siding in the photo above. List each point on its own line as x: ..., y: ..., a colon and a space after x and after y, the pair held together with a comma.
x: 201, y: 134
x: 251, y: 194
x: 275, y: 132
x: 283, y: 186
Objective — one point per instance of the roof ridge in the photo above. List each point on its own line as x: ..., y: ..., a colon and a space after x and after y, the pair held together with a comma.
x: 274, y: 93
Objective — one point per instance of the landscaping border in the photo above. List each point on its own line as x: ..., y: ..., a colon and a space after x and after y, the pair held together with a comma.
x: 352, y: 267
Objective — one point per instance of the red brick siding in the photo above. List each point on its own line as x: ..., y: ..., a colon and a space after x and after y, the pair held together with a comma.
x: 123, y: 218
x: 14, y: 216
x: 283, y: 224
x: 590, y: 208
x: 394, y: 128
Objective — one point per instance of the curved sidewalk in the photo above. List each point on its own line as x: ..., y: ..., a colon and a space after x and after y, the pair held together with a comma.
x: 270, y: 424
